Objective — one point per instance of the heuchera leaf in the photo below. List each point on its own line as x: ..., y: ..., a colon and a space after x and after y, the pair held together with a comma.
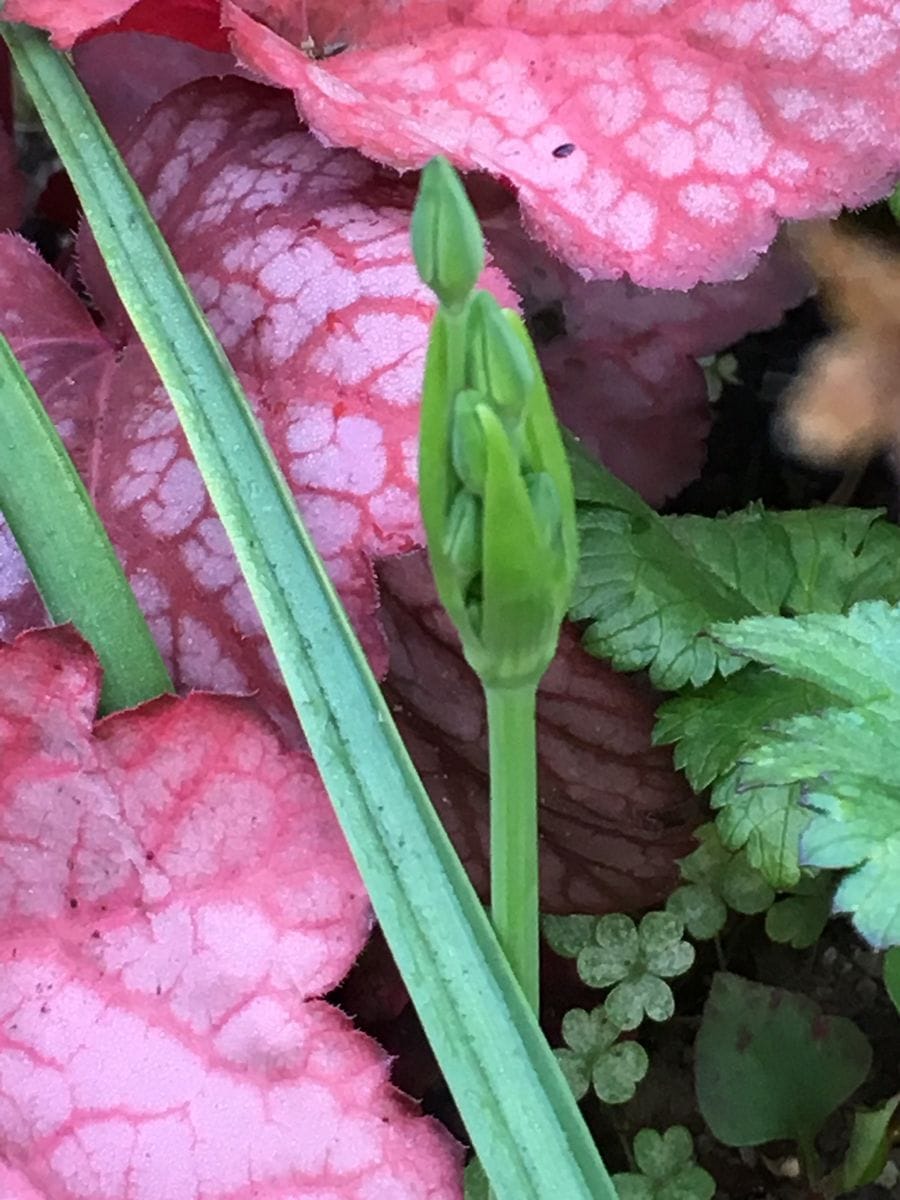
x: 196, y: 21
x: 11, y: 184
x: 661, y: 140
x: 176, y: 895
x: 300, y: 256
x: 125, y: 73
x: 614, y: 816
x: 845, y: 754
x: 598, y: 766
x: 769, y: 1065
x: 621, y: 361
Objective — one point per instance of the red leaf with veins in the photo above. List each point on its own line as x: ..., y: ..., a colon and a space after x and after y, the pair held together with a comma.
x: 623, y: 373
x: 614, y: 814
x: 174, y: 896
x: 196, y: 21
x: 126, y: 73
x: 301, y: 258
x: 12, y: 185
x: 662, y: 138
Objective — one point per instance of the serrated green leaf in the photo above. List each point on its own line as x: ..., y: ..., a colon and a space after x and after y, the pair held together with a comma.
x: 647, y: 599
x: 854, y: 658
x: 845, y: 758
x: 651, y: 586
x: 713, y: 726
x: 766, y: 822
x: 770, y: 1066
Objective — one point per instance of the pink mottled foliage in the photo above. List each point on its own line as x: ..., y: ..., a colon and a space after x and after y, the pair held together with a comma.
x: 621, y: 360
x: 175, y: 896
x: 659, y: 139
x: 300, y: 257
x: 614, y: 815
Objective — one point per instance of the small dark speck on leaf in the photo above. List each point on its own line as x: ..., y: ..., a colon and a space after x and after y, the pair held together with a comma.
x: 820, y: 1027
x: 744, y: 1038
x: 775, y: 1000
x: 564, y: 150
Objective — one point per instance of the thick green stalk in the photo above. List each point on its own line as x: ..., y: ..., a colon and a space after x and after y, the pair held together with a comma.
x: 66, y: 547
x: 514, y: 832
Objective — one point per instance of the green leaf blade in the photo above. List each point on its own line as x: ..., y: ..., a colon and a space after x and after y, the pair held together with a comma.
x: 66, y: 547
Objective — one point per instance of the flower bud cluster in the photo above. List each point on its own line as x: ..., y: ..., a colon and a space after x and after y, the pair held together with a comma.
x: 495, y: 487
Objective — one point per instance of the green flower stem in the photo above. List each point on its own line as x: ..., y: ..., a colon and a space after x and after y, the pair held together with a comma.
x: 514, y: 832
x: 455, y: 325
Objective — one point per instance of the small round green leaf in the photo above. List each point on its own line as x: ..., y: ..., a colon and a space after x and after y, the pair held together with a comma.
x: 769, y: 1065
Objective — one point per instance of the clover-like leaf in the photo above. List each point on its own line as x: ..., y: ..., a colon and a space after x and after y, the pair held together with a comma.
x: 799, y: 918
x: 595, y: 1055
x: 568, y: 935
x: 637, y: 960
x: 667, y: 1169
x: 716, y: 879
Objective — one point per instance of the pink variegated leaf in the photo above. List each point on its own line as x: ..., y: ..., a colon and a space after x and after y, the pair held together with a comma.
x: 195, y: 21
x: 301, y: 258
x: 659, y: 138
x: 175, y: 896
x: 614, y: 815
x: 621, y: 360
x: 125, y: 73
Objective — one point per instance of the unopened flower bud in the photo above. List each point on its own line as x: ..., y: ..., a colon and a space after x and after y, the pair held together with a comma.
x: 467, y: 445
x: 447, y: 243
x: 462, y: 537
x: 544, y: 497
x: 498, y: 363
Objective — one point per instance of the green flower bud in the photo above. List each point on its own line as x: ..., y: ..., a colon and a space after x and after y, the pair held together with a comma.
x: 497, y: 362
x: 462, y: 538
x: 467, y: 445
x: 447, y: 243
x: 544, y: 496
